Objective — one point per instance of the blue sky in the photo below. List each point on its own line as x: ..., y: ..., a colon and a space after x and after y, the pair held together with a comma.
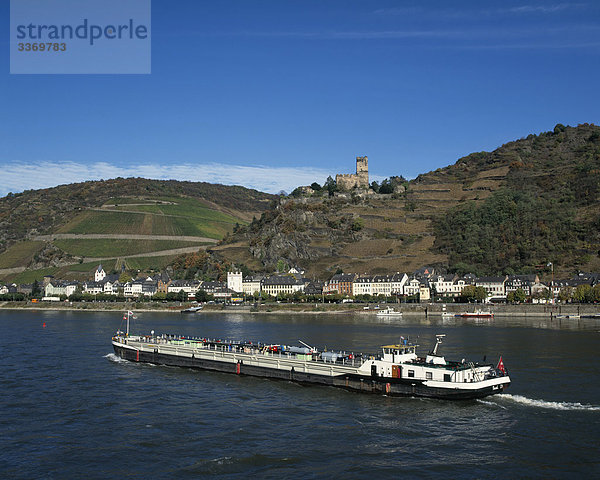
x: 276, y: 94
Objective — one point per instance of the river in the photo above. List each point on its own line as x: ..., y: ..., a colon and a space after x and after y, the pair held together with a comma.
x: 71, y: 409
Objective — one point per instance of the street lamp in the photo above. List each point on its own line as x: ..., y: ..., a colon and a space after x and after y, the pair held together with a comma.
x: 551, y: 265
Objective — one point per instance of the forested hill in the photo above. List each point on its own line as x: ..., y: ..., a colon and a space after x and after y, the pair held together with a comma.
x: 528, y: 203
x: 36, y: 212
x: 545, y: 209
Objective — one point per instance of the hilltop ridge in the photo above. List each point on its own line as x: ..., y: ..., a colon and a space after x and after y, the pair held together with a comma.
x: 151, y: 220
x: 529, y: 202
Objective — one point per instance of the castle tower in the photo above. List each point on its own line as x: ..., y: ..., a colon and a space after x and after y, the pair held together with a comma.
x: 362, y: 171
x: 234, y: 281
x: 99, y: 274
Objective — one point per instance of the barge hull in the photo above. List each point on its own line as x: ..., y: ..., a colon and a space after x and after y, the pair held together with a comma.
x: 354, y: 382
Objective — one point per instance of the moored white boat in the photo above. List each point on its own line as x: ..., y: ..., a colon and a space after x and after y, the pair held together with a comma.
x: 477, y: 313
x: 388, y: 312
x: 192, y: 309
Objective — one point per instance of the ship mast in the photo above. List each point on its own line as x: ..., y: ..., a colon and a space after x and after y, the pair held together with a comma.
x: 129, y: 315
x: 438, y: 341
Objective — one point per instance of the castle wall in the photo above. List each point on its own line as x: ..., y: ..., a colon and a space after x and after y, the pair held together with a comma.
x: 349, y: 181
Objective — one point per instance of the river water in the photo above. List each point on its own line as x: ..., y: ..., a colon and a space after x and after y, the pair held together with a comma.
x: 71, y: 409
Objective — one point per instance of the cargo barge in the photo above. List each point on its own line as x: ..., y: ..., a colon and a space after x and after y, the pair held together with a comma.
x: 397, y: 370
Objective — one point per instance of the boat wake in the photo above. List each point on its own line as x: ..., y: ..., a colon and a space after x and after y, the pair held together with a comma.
x: 115, y: 358
x: 549, y: 405
x: 493, y: 404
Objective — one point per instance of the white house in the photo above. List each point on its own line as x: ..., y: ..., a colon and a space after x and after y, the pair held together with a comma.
x: 276, y: 284
x: 93, y: 288
x: 111, y: 288
x: 56, y: 288
x: 252, y: 285
x: 188, y: 286
x: 381, y: 285
x: 444, y: 284
x: 495, y: 286
x: 363, y: 286
x: 412, y: 286
x: 397, y: 282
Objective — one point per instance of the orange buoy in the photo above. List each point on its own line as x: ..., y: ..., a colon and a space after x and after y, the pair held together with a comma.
x: 44, y: 324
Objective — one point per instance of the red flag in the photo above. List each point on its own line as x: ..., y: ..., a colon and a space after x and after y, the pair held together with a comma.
x: 501, y: 366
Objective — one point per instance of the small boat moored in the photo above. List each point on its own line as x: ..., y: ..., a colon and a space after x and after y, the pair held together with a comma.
x: 477, y: 314
x: 192, y: 309
x: 388, y: 312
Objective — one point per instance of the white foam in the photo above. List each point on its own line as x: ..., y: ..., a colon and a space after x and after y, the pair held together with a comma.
x: 493, y: 404
x: 115, y: 358
x: 550, y: 405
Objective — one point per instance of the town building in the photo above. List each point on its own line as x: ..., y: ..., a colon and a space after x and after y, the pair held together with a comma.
x: 56, y: 288
x: 524, y: 282
x: 235, y: 281
x: 495, y: 286
x: 313, y: 288
x: 340, y: 283
x: 188, y: 286
x: 277, y: 284
x: 252, y: 285
x: 363, y: 285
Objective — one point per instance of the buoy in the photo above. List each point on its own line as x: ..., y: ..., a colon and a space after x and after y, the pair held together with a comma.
x: 44, y: 324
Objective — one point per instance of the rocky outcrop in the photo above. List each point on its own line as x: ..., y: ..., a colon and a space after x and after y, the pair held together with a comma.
x: 50, y: 256
x: 296, y: 231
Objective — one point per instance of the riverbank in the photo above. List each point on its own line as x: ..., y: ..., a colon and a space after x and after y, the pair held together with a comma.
x: 433, y: 309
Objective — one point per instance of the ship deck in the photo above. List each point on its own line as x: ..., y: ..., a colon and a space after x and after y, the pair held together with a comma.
x: 249, y: 354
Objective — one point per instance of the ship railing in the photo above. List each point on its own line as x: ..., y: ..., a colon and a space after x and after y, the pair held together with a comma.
x: 225, y: 348
x: 257, y: 349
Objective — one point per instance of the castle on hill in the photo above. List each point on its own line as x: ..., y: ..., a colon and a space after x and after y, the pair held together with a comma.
x: 348, y: 181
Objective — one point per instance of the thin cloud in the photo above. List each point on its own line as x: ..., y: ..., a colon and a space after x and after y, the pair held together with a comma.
x: 345, y: 35
x: 544, y: 8
x: 20, y: 176
x: 446, y: 13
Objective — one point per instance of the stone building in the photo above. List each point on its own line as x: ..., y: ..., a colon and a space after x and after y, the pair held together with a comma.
x: 348, y: 181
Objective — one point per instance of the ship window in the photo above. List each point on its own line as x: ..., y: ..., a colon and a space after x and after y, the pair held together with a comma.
x: 411, y: 373
x: 428, y: 375
x: 447, y: 377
